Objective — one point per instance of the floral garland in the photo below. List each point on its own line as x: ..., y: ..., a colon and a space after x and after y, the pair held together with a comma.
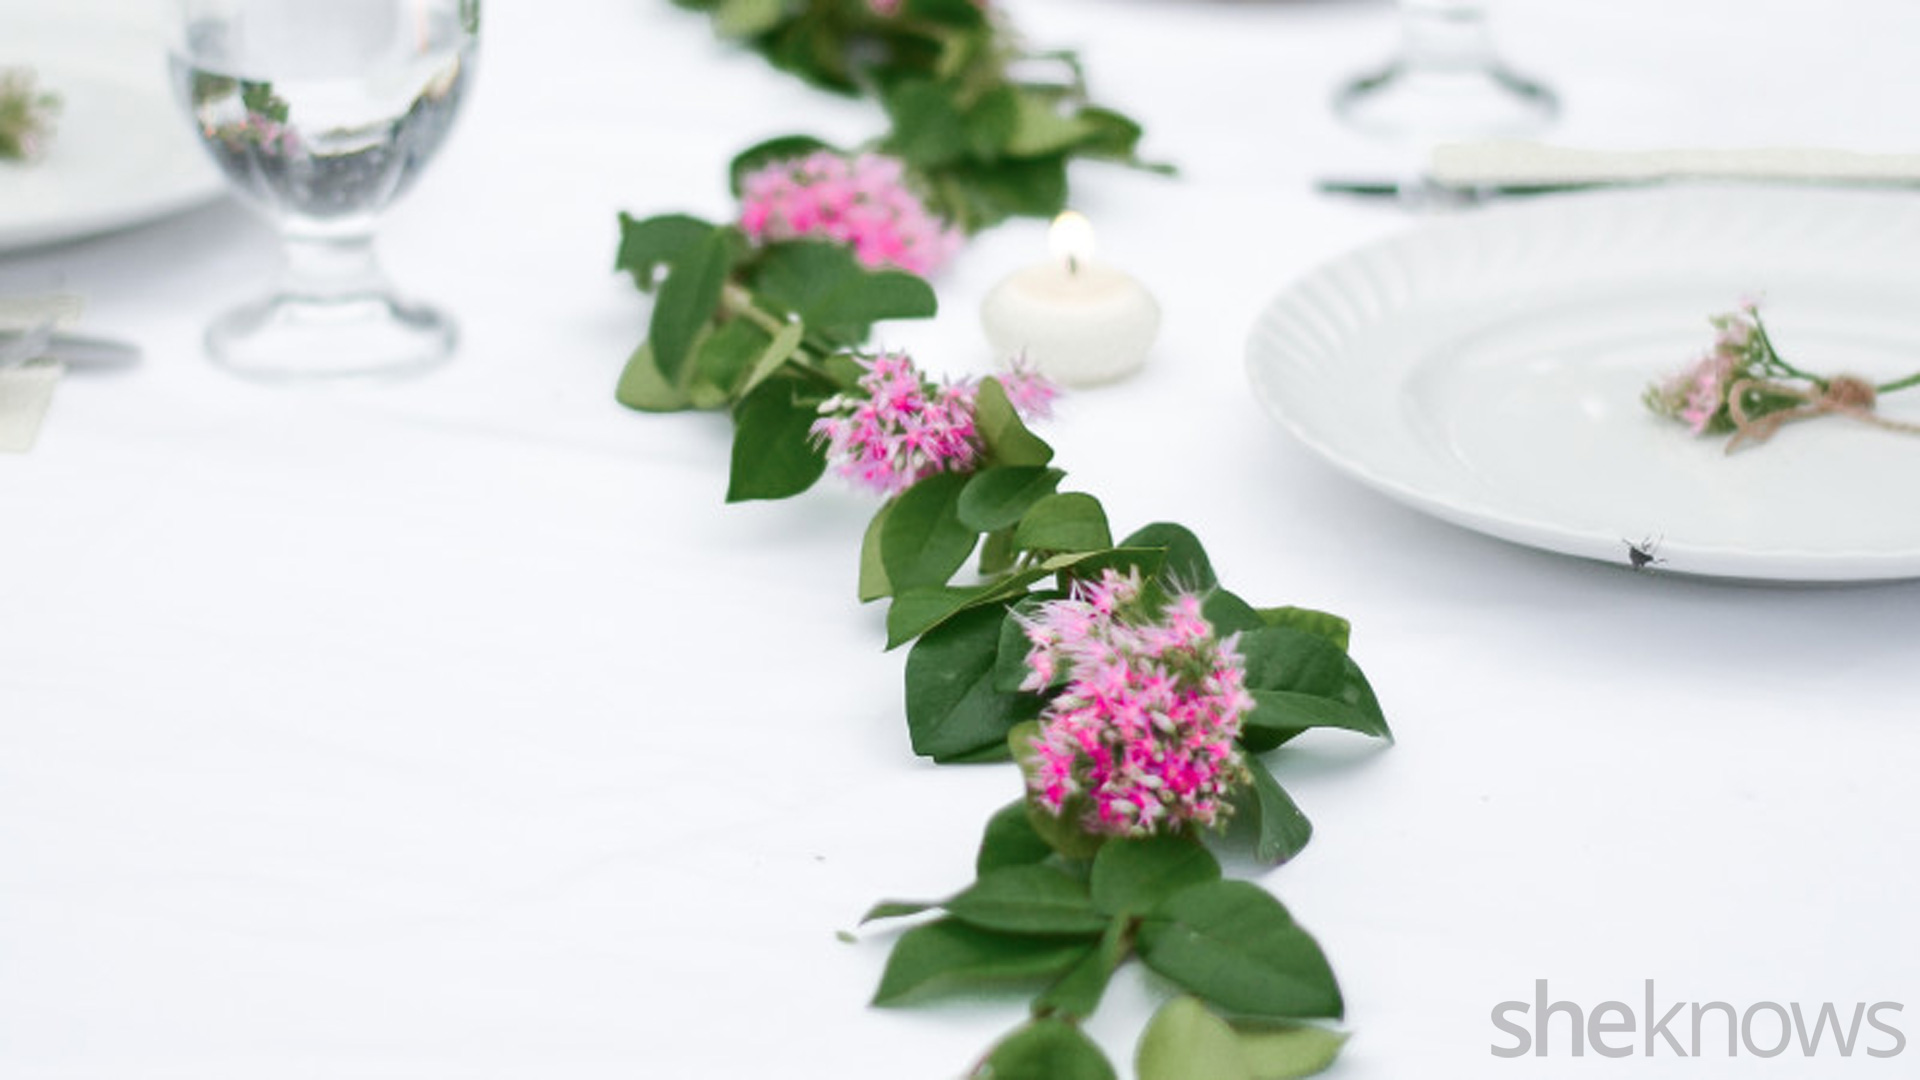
x: 1134, y: 693
x: 26, y: 115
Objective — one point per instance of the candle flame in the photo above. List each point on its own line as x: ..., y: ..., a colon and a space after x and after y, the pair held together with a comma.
x: 1071, y: 239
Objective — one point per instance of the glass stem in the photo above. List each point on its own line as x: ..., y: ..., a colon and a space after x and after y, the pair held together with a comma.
x: 1444, y: 35
x: 331, y: 268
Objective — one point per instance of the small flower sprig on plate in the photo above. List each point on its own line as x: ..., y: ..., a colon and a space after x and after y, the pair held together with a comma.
x: 1745, y: 388
x: 27, y: 115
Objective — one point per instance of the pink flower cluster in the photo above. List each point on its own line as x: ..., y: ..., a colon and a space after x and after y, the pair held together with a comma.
x: 887, y: 9
x: 1697, y: 395
x: 1144, y: 729
x: 901, y: 428
x: 862, y: 202
x: 260, y: 130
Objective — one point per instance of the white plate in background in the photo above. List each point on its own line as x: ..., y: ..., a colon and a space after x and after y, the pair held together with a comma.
x: 1487, y: 368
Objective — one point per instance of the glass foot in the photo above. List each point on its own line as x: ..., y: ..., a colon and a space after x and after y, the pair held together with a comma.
x: 1436, y: 102
x: 298, y: 339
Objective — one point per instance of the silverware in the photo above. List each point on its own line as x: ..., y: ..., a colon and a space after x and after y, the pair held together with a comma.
x: 41, y: 342
x: 1427, y: 191
x: 30, y: 344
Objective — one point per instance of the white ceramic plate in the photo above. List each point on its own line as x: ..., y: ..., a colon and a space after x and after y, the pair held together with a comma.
x: 1487, y: 369
x: 122, y: 153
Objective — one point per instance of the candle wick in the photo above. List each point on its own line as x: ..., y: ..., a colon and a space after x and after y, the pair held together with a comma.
x: 1073, y: 264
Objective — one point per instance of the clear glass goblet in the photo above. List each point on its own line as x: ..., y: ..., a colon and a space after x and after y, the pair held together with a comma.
x: 320, y: 113
x: 1446, y: 81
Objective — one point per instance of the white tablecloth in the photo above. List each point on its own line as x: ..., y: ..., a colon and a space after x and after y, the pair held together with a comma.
x: 457, y: 729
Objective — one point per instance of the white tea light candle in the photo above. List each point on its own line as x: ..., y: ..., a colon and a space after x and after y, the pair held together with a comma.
x: 1078, y: 321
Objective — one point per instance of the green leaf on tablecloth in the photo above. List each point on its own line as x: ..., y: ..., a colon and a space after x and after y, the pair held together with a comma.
x: 997, y: 553
x: 997, y: 497
x: 1131, y: 876
x: 1009, y: 840
x: 1045, y: 1049
x: 897, y: 909
x: 916, y: 611
x: 1280, y: 830
x: 1032, y: 899
x: 721, y: 361
x: 991, y: 123
x: 839, y: 300
x: 1011, y: 670
x: 1289, y: 1051
x: 1327, y: 625
x: 1228, y: 614
x: 873, y: 569
x: 774, y: 455
x: 1007, y: 439
x: 982, y: 194
x: 782, y: 148
x: 1300, y: 680
x: 643, y: 387
x: 779, y: 349
x: 1186, y: 565
x: 648, y: 244
x: 923, y: 542
x: 689, y: 297
x: 1041, y: 127
x: 1068, y: 521
x: 746, y: 18
x: 1233, y: 944
x: 929, y: 129
x: 1061, y: 831
x: 1185, y: 1041
x: 948, y: 955
x: 952, y: 706
x: 1077, y: 994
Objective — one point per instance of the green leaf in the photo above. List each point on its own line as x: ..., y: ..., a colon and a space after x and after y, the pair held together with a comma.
x: 1289, y: 1051
x: 996, y: 498
x: 647, y: 245
x: 1033, y: 899
x: 774, y: 455
x: 948, y: 955
x: 1235, y: 945
x: 1013, y: 187
x: 1011, y: 670
x: 992, y: 123
x: 689, y: 297
x: 746, y: 18
x: 1327, y: 625
x: 873, y: 571
x: 1007, y: 440
x: 1009, y: 840
x: 928, y: 129
x: 1062, y: 831
x: 779, y: 350
x: 781, y: 148
x: 895, y: 909
x: 1077, y: 994
x: 923, y: 542
x: 1184, y: 1041
x: 1229, y: 614
x: 1112, y: 135
x: 1131, y: 876
x: 916, y: 611
x: 997, y: 553
x: 643, y: 387
x: 1282, y: 829
x: 1186, y: 564
x: 952, y: 707
x: 1069, y: 521
x: 722, y: 359
x: 1046, y: 1049
x: 825, y: 285
x: 1040, y: 128
x: 1301, y: 680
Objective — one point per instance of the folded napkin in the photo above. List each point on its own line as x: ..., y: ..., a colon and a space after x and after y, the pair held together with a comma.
x: 1487, y: 164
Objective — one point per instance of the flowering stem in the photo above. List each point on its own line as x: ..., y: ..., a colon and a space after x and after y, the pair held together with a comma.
x: 1776, y: 361
x: 1898, y: 384
x: 736, y: 300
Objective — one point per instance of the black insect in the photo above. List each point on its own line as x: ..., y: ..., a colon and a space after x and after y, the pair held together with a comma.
x: 1643, y: 554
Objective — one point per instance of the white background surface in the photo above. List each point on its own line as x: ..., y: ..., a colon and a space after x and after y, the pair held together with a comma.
x: 457, y: 729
